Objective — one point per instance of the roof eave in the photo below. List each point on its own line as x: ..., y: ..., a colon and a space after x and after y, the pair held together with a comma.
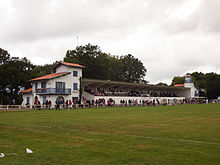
x: 46, y: 79
x: 60, y: 63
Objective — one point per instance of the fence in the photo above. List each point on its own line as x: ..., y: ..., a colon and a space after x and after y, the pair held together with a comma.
x: 63, y: 106
x: 20, y: 107
x: 39, y: 107
x: 75, y: 106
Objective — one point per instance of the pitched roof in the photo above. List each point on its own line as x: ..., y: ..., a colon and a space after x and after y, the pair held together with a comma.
x: 128, y: 85
x: 50, y: 76
x: 69, y: 64
x: 179, y: 85
x: 26, y: 91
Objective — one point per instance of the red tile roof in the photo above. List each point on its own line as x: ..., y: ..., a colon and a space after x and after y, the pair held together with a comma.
x: 26, y: 90
x: 179, y: 85
x: 70, y: 64
x: 50, y: 76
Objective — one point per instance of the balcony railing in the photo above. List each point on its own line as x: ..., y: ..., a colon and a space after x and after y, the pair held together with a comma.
x: 64, y: 91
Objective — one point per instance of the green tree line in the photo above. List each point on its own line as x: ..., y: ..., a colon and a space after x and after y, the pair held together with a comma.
x: 104, y: 66
x: 14, y: 75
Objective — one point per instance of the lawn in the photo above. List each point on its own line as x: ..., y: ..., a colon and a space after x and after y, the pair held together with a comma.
x: 183, y: 135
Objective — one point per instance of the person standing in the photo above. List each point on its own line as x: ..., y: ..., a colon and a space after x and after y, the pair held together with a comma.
x: 67, y: 103
x: 49, y: 104
x: 46, y: 104
x: 57, y: 105
x: 70, y: 103
x: 154, y: 102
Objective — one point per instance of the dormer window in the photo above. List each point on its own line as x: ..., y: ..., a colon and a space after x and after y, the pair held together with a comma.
x: 75, y: 73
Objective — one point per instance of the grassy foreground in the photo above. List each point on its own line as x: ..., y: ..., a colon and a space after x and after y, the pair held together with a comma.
x: 185, y: 134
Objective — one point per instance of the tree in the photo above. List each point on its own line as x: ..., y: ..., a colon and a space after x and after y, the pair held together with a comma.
x: 4, y: 56
x: 211, y: 84
x: 161, y: 84
x: 177, y: 80
x: 14, y: 75
x: 133, y: 69
x: 114, y: 69
x: 100, y: 65
x: 89, y: 56
x: 42, y: 70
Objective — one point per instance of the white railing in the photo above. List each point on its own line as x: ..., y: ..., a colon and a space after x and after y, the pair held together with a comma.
x: 20, y: 107
x: 7, y: 107
x: 38, y: 107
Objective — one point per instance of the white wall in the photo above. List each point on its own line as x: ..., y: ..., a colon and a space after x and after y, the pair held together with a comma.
x: 185, y: 93
x: 24, y: 102
x: 192, y: 89
x: 69, y: 79
x: 61, y: 69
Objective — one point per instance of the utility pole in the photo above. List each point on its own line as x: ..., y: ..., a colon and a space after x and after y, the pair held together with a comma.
x: 77, y: 38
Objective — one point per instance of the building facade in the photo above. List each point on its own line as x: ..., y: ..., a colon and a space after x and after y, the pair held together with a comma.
x: 67, y: 82
x: 60, y: 86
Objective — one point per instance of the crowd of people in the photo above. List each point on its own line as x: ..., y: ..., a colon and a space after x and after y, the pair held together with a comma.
x: 112, y: 92
x: 143, y: 102
x: 99, y: 102
x: 68, y: 104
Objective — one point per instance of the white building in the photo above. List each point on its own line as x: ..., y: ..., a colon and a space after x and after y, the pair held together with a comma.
x: 62, y: 85
x: 193, y: 92
x: 65, y: 85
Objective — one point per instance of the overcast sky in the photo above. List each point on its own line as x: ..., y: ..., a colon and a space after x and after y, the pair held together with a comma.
x: 170, y: 37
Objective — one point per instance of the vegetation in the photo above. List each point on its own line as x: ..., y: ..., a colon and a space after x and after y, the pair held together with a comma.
x: 177, y: 80
x: 14, y: 74
x: 186, y: 134
x: 161, y: 84
x: 133, y: 69
x: 105, y: 66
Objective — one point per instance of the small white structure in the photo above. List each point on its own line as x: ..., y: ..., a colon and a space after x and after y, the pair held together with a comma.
x: 189, y: 83
x: 190, y: 90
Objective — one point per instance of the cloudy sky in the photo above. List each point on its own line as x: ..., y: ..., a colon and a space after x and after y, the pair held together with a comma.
x: 171, y: 37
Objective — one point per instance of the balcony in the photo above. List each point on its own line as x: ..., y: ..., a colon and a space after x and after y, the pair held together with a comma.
x: 55, y: 91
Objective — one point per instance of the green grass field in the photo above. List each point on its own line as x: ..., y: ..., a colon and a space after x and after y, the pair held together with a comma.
x: 184, y: 134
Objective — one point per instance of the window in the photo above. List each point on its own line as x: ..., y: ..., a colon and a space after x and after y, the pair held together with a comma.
x: 36, y: 85
x: 44, y: 99
x: 28, y: 100
x: 75, y: 73
x: 75, y: 86
x: 43, y: 85
x: 60, y: 85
